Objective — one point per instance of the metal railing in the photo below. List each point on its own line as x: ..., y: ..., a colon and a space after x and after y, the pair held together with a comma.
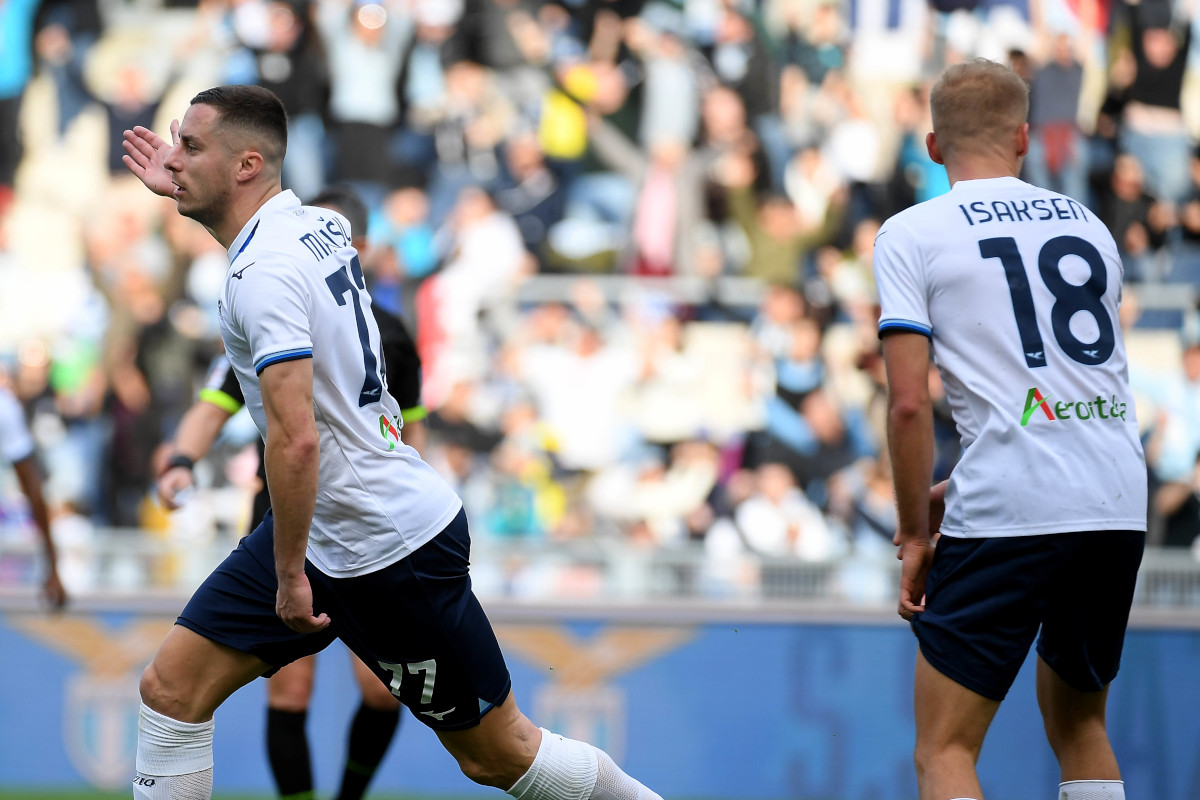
x: 123, y: 563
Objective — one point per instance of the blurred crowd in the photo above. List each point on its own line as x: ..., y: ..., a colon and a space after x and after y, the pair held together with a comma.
x: 633, y: 240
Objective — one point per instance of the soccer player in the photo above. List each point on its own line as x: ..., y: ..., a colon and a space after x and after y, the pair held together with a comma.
x: 364, y: 541
x: 290, y: 689
x: 17, y: 448
x: 1015, y: 290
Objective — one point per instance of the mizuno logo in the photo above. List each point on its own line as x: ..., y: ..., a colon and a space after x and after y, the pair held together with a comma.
x: 238, y: 274
x: 1038, y: 356
x: 1092, y: 353
x: 438, y: 714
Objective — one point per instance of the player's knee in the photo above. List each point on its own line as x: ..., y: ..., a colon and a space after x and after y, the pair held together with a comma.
x: 500, y: 764
x: 489, y: 771
x: 932, y: 758
x: 377, y: 697
x: 290, y: 688
x: 156, y: 693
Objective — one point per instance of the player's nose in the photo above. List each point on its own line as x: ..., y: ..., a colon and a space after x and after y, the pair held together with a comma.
x: 172, y: 162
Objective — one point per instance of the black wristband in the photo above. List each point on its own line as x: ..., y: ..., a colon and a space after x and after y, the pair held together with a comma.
x: 179, y: 460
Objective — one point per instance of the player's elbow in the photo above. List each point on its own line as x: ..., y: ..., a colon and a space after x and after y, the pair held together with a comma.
x: 302, y: 449
x: 296, y: 443
x: 907, y: 408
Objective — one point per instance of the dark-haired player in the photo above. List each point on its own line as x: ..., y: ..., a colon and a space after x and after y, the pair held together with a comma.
x: 290, y: 689
x: 364, y: 542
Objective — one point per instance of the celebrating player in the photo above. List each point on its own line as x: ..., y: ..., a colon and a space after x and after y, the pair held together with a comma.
x: 1016, y: 288
x: 290, y: 689
x: 364, y: 542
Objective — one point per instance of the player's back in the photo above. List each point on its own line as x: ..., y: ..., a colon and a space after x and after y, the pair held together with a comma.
x: 295, y: 289
x: 1018, y: 288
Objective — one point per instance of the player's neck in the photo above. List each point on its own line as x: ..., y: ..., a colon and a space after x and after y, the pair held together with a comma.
x: 244, y: 206
x: 973, y: 169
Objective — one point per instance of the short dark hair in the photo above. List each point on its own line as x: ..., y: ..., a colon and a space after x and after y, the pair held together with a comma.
x: 346, y: 201
x: 252, y: 110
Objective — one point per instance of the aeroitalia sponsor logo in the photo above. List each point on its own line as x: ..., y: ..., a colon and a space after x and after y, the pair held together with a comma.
x: 1098, y: 408
x: 389, y: 431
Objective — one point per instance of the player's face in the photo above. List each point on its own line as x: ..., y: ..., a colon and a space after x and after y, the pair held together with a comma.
x: 202, y: 167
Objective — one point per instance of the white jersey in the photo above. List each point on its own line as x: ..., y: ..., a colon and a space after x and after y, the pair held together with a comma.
x: 15, y: 442
x: 1018, y: 289
x: 295, y: 290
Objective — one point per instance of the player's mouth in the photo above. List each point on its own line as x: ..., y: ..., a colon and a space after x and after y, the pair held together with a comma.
x: 178, y: 190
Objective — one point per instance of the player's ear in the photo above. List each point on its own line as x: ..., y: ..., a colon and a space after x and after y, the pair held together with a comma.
x: 935, y: 150
x: 1022, y: 140
x: 249, y: 165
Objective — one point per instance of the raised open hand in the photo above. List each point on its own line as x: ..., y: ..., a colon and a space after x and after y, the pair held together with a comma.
x: 146, y: 153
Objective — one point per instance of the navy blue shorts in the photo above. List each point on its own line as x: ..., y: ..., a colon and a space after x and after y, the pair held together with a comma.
x: 416, y: 623
x: 986, y: 598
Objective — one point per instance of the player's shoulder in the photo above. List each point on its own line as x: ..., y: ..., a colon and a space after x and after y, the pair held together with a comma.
x: 906, y: 229
x: 283, y: 222
x: 920, y: 218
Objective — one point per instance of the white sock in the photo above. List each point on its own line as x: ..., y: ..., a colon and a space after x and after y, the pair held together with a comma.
x: 565, y: 769
x: 193, y: 786
x: 613, y: 784
x: 1091, y: 790
x: 174, y: 759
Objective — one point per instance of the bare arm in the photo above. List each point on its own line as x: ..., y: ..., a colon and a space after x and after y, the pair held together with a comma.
x: 910, y: 442
x: 197, y: 431
x: 31, y: 484
x: 292, y: 456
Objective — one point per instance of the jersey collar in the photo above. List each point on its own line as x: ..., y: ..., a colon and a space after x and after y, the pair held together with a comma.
x: 1002, y: 181
x: 285, y: 200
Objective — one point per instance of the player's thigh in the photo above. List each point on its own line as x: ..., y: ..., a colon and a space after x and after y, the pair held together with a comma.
x: 948, y: 713
x: 191, y: 676
x: 1083, y: 633
x: 235, y: 605
x: 290, y: 688
x: 984, y: 602
x: 375, y: 692
x: 1067, y: 713
x: 420, y: 629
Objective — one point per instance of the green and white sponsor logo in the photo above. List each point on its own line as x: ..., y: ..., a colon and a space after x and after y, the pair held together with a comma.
x: 1098, y: 408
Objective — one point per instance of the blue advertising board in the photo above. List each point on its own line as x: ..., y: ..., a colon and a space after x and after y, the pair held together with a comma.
x: 694, y: 708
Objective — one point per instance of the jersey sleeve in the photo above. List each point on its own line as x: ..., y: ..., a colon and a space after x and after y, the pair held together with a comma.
x: 273, y: 308
x: 221, y: 388
x: 402, y: 364
x: 900, y: 278
x: 16, y: 443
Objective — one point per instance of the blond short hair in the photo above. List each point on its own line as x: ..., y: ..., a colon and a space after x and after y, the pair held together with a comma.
x: 977, y: 105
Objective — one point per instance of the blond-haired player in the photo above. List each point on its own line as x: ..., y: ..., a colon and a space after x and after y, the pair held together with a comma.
x: 1014, y: 290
